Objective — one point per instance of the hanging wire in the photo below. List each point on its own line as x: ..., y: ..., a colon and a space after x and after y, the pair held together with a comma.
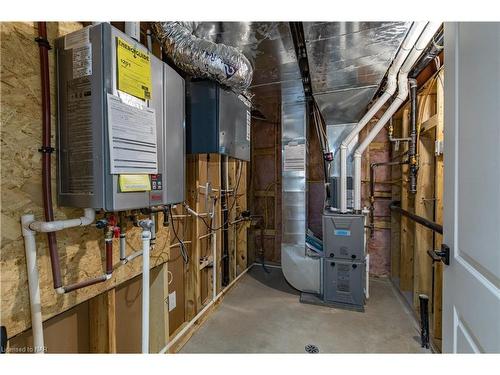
x: 184, y: 252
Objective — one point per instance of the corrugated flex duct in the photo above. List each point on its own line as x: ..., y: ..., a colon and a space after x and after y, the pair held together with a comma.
x: 202, y: 58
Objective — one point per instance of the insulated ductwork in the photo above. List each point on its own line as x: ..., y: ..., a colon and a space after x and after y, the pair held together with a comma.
x: 202, y: 58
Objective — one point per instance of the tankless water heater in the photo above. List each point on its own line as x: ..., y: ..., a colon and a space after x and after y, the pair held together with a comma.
x: 120, y: 123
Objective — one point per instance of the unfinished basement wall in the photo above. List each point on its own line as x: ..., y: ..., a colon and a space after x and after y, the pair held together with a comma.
x: 379, y: 240
x: 412, y: 270
x: 265, y: 185
x: 82, y: 249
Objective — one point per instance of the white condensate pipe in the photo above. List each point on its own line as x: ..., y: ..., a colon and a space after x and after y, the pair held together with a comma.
x: 214, y: 266
x: 123, y: 247
x: 410, y: 40
x: 57, y: 225
x: 33, y: 284
x: 133, y: 30
x: 146, y: 239
x: 417, y: 50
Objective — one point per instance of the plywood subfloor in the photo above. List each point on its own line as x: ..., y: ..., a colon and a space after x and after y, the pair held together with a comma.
x: 262, y: 314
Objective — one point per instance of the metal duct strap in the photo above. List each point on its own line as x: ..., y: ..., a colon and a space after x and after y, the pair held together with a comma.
x: 202, y: 58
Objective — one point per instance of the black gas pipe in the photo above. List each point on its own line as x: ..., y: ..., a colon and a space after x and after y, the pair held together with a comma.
x: 396, y: 206
x: 412, y: 149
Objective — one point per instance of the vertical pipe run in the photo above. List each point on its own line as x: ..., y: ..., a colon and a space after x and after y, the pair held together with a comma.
x: 33, y: 284
x: 214, y: 267
x: 407, y: 45
x: 225, y: 219
x: 123, y: 237
x: 47, y: 150
x: 109, y: 256
x: 133, y: 30
x: 415, y: 53
x: 424, y: 320
x: 146, y: 237
x: 412, y: 150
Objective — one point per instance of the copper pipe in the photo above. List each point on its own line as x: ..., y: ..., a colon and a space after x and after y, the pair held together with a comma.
x: 47, y: 150
x: 83, y: 284
x: 109, y: 256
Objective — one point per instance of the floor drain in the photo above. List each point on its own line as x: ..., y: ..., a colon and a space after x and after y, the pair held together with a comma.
x: 311, y: 349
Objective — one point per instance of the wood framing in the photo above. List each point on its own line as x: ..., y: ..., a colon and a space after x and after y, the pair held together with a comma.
x: 415, y: 271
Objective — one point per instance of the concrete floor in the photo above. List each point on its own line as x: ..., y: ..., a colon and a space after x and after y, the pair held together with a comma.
x: 262, y: 314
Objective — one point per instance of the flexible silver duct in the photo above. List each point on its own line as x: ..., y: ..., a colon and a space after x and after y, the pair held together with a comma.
x: 202, y: 58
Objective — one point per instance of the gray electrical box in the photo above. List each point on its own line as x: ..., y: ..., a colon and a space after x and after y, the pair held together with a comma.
x: 120, y: 123
x: 343, y: 236
x: 218, y: 120
x: 343, y: 283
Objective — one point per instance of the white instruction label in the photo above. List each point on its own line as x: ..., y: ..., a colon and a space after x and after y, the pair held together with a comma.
x: 249, y: 121
x: 77, y: 38
x: 172, y: 301
x: 82, y: 61
x: 294, y: 157
x: 132, y: 138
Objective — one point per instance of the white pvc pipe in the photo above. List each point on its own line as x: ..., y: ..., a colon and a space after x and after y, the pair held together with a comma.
x: 33, y: 284
x: 214, y: 268
x: 132, y: 256
x: 133, y: 30
x: 123, y: 247
x: 390, y: 89
x: 146, y: 238
x: 417, y: 50
x: 57, y: 225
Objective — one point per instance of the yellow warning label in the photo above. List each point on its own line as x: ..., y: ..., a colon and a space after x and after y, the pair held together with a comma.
x: 134, y: 70
x: 134, y: 182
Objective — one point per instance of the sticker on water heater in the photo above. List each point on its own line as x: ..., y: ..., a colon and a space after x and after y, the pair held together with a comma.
x: 342, y: 232
x: 82, y: 61
x: 132, y: 139
x: 134, y: 69
x: 77, y: 38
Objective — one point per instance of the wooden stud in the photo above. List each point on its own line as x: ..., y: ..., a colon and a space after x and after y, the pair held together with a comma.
x: 241, y: 228
x: 438, y: 216
x: 102, y: 323
x: 407, y: 226
x: 424, y: 201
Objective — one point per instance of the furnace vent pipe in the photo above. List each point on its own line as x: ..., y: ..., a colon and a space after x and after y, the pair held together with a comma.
x: 421, y: 44
x: 133, y: 30
x: 202, y: 58
x: 410, y: 40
